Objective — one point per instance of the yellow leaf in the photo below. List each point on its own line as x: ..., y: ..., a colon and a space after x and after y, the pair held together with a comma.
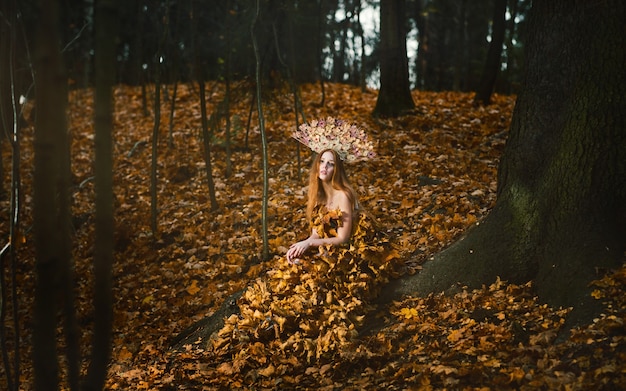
x: 325, y: 368
x: 225, y: 368
x: 517, y: 374
x: 392, y: 255
x: 124, y: 354
x: 455, y: 335
x: 443, y: 369
x: 596, y: 294
x: 193, y: 288
x: 407, y: 203
x: 267, y: 372
x: 408, y: 313
x: 280, y: 321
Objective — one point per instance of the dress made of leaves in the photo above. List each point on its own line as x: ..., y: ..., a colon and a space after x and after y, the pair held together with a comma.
x: 308, y: 311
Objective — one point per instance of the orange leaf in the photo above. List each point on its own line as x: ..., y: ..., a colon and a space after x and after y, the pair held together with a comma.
x: 193, y: 288
x: 455, y: 335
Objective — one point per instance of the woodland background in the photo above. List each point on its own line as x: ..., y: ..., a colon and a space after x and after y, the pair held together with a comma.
x: 206, y: 189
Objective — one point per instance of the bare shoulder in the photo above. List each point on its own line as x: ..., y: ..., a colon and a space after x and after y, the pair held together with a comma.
x: 343, y: 201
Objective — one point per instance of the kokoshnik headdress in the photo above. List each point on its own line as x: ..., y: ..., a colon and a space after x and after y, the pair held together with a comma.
x: 349, y: 141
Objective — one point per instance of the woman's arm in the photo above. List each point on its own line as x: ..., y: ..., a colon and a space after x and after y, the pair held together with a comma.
x: 299, y: 248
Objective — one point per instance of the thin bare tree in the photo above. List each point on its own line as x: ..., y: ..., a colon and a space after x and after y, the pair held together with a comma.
x: 259, y: 102
x: 206, y: 140
x: 10, y: 115
x: 494, y: 55
x: 154, y: 209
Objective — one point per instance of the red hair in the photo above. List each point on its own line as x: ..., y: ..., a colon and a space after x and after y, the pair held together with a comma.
x: 339, y: 181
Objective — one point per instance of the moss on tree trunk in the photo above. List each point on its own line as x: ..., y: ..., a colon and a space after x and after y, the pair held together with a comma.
x: 559, y: 219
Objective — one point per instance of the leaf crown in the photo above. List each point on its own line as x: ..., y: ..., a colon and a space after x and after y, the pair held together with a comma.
x: 349, y: 141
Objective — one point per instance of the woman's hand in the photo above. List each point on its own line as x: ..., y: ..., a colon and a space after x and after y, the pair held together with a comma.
x: 296, y: 250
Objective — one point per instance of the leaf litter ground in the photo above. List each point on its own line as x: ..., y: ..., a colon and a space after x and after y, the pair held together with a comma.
x: 435, y: 176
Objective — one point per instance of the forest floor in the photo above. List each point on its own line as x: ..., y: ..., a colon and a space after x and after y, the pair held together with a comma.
x: 434, y: 177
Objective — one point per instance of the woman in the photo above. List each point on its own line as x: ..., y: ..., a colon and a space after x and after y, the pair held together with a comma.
x: 312, y: 304
x: 328, y: 187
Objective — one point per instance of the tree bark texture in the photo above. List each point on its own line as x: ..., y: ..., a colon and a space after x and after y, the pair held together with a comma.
x: 106, y: 31
x: 206, y: 142
x: 259, y: 102
x: 494, y: 55
x: 303, y: 21
x: 560, y: 217
x: 394, y: 96
x: 50, y: 194
x: 7, y: 88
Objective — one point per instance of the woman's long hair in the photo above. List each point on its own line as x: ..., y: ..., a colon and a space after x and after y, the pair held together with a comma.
x: 339, y: 181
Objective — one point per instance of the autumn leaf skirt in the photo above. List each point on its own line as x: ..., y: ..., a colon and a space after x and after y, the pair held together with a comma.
x: 308, y: 311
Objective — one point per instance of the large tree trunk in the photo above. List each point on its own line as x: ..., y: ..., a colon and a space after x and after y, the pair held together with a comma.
x: 107, y: 14
x: 304, y: 19
x: 560, y: 217
x: 51, y: 203
x: 394, y: 96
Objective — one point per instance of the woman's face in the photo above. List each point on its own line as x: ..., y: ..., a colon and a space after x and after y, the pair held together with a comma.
x: 327, y: 166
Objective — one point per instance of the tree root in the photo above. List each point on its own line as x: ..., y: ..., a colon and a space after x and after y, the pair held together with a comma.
x: 203, y: 329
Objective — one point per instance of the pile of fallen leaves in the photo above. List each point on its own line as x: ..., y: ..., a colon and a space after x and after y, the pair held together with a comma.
x: 435, y: 175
